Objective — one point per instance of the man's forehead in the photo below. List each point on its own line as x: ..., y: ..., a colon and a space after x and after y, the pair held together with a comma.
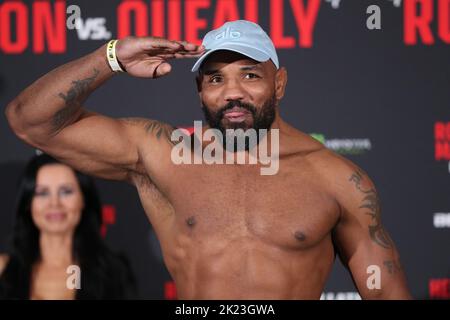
x: 222, y: 58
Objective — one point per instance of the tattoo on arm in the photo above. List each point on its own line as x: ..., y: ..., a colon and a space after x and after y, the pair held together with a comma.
x: 72, y: 99
x: 371, y: 203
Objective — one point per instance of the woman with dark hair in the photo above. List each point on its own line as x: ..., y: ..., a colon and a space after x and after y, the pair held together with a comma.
x: 58, y: 221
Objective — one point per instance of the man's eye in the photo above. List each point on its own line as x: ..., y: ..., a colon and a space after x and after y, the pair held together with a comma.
x: 251, y: 76
x: 215, y: 79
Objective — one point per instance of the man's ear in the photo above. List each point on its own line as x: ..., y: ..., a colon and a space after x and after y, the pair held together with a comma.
x: 280, y: 82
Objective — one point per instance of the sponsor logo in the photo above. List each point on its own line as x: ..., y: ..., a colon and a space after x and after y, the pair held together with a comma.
x: 347, y: 146
x: 441, y: 220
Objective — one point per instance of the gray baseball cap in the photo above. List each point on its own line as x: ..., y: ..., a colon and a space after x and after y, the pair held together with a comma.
x: 240, y: 36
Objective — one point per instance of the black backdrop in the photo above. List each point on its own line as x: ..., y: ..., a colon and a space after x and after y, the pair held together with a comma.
x: 380, y: 97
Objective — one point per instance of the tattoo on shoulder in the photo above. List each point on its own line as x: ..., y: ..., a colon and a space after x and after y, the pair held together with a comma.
x: 72, y: 100
x: 158, y: 129
x: 371, y: 204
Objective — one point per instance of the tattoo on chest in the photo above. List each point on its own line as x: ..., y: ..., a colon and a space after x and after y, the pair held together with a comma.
x: 371, y: 204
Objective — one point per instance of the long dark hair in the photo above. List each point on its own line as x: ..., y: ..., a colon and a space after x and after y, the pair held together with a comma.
x: 104, y: 274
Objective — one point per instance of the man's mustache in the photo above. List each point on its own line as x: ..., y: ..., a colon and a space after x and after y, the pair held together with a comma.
x: 237, y: 103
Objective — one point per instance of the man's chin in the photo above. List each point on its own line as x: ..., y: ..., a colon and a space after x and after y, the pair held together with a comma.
x: 244, y: 125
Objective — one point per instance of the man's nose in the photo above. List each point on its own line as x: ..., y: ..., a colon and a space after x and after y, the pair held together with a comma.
x: 234, y: 91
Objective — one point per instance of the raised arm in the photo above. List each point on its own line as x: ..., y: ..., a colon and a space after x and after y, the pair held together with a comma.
x: 364, y: 245
x: 49, y: 114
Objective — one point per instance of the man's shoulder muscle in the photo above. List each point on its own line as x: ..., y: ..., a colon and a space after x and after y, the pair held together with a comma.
x: 153, y: 139
x: 340, y: 176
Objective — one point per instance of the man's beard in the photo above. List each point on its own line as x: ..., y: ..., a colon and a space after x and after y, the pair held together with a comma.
x: 262, y: 119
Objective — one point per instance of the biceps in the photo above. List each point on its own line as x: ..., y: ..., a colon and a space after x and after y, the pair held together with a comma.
x: 369, y: 258
x: 96, y: 145
x: 378, y: 273
x: 376, y: 270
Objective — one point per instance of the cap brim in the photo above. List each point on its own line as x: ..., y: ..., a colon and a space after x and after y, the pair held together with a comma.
x: 250, y: 52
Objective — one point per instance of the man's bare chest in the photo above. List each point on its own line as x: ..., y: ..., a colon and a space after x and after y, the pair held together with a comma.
x: 290, y: 210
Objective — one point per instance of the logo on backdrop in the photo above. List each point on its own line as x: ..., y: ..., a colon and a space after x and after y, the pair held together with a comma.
x: 442, y: 142
x: 441, y: 220
x: 108, y: 218
x: 439, y: 288
x: 43, y: 26
x: 347, y: 146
